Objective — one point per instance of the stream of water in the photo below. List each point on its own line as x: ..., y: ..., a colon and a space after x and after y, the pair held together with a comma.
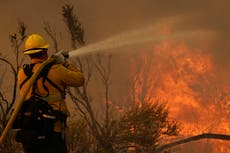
x: 139, y: 36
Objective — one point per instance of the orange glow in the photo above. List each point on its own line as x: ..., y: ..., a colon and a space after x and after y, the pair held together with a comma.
x: 187, y: 80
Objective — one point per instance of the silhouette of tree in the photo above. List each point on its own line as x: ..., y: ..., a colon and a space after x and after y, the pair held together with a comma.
x: 7, y: 102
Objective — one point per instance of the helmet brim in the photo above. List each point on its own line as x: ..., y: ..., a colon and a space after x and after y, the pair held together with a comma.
x: 36, y: 50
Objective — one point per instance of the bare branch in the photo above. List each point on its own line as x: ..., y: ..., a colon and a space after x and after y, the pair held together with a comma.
x: 193, y: 138
x: 15, y: 80
x: 74, y: 26
x: 51, y: 33
x: 2, y: 99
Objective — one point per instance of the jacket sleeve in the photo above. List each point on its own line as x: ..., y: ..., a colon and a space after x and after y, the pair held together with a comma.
x: 68, y: 74
x: 20, y: 78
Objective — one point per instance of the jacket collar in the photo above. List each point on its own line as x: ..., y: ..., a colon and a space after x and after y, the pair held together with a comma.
x: 37, y: 60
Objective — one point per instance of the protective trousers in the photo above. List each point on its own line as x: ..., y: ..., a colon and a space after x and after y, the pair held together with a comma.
x: 52, y: 144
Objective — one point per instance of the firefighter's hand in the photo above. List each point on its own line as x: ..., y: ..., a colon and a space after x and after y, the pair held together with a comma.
x: 60, y: 57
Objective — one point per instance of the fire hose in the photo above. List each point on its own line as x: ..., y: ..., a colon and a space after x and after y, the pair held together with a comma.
x: 22, y: 98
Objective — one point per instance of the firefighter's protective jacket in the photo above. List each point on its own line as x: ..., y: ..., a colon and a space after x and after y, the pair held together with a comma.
x: 62, y: 75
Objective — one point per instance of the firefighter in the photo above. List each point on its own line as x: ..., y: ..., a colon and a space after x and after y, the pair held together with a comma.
x: 60, y: 75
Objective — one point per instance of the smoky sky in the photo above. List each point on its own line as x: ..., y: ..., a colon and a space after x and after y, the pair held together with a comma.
x: 102, y: 18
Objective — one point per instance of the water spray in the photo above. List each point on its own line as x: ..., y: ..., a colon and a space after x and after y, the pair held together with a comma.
x: 140, y: 36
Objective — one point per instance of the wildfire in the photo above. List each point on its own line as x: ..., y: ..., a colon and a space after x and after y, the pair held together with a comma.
x: 186, y: 79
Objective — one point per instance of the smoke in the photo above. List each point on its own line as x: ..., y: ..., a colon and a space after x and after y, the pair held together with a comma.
x: 102, y: 19
x: 119, y: 16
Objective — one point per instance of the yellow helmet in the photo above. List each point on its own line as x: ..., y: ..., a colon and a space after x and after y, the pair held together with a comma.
x: 34, y: 44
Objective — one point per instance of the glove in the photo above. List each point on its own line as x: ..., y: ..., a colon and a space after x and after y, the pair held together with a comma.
x: 60, y: 57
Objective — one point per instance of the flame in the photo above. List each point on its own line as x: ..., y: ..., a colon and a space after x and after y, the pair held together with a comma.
x: 187, y: 80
